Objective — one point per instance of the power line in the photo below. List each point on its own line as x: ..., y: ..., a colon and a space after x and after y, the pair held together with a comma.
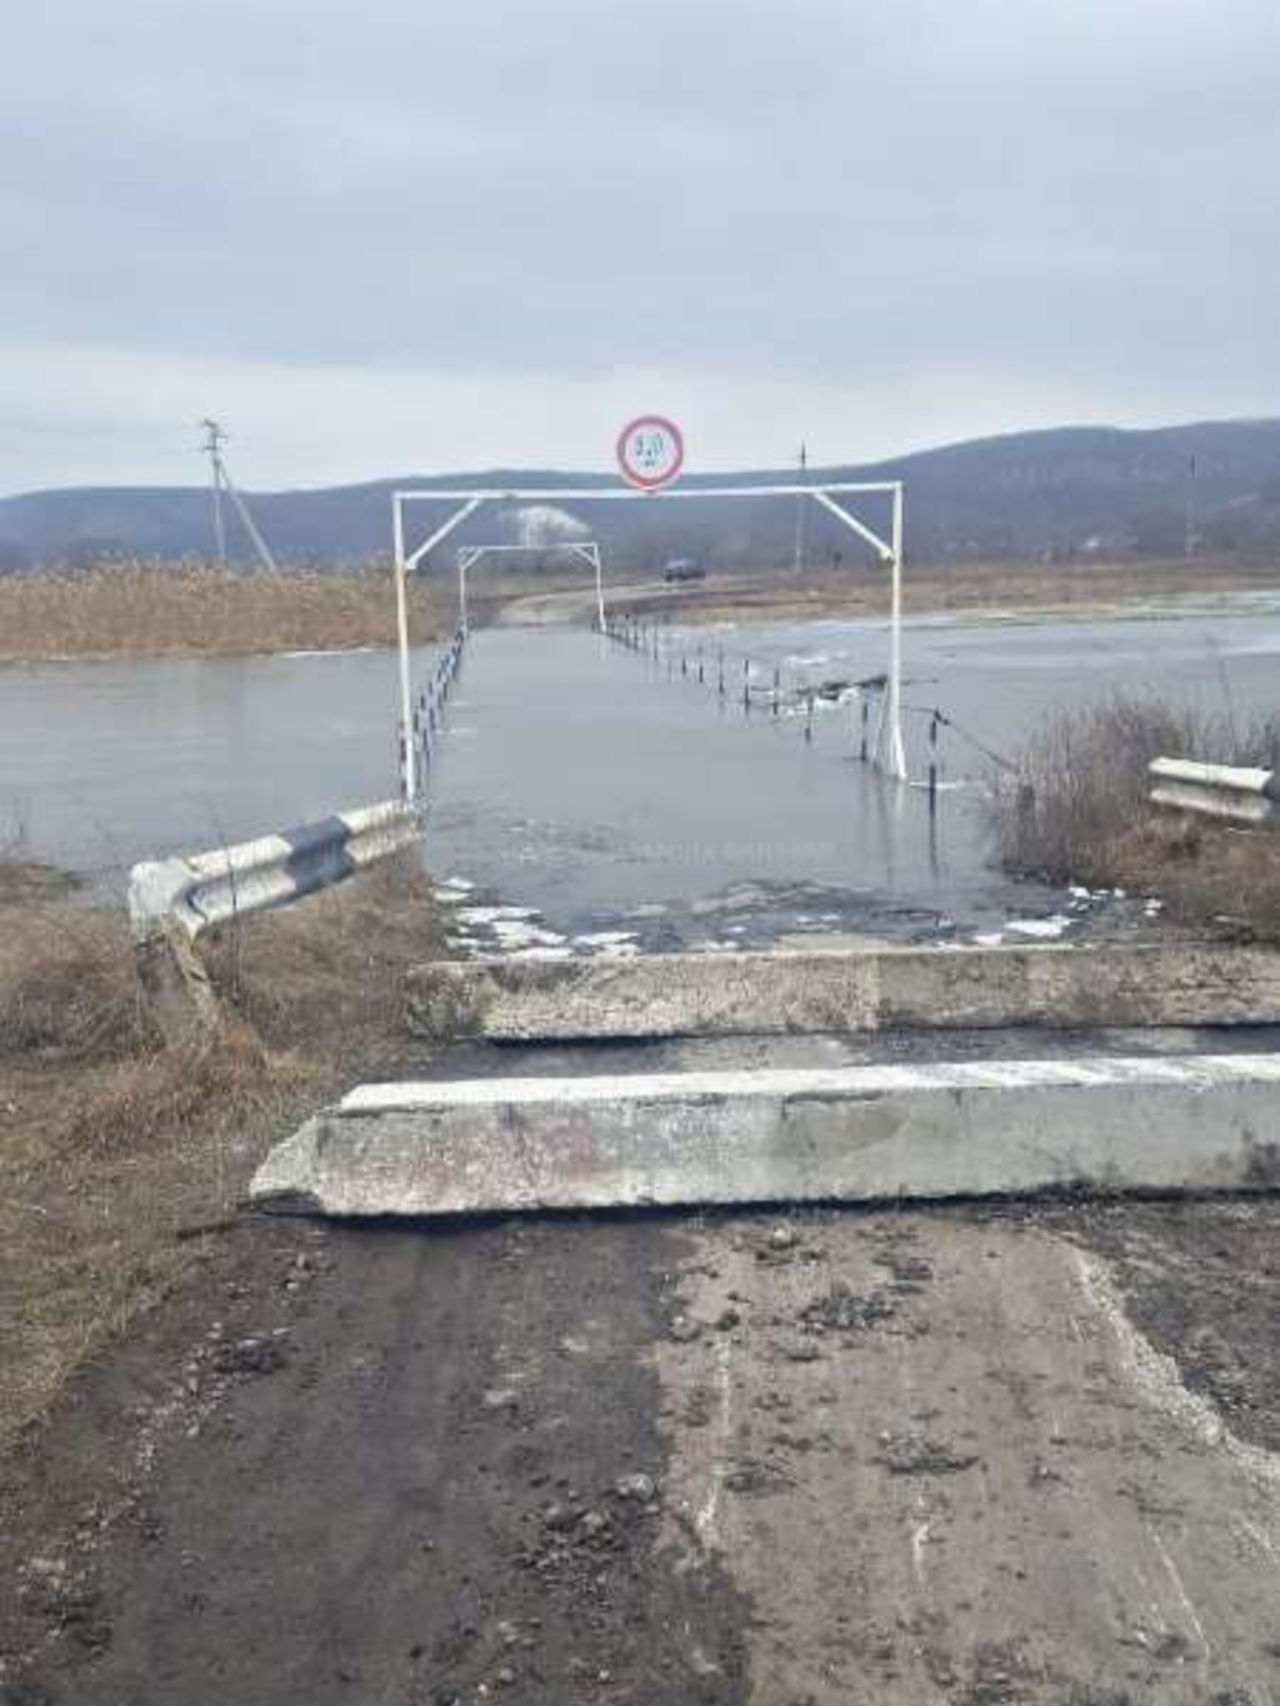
x: 1189, y: 540
x: 215, y: 438
x: 801, y: 504
x: 223, y: 485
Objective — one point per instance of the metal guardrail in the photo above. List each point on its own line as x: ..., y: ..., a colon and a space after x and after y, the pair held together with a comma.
x: 755, y: 684
x: 777, y: 688
x: 1236, y: 793
x: 427, y: 722
x: 190, y: 894
x: 172, y: 902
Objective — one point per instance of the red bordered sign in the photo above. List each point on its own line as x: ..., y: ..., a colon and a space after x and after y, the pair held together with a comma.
x: 650, y: 452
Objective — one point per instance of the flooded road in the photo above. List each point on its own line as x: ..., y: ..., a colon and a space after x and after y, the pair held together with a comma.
x: 604, y: 788
x: 600, y: 785
x: 601, y: 788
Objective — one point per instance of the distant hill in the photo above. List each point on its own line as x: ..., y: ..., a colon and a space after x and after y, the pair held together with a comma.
x: 1070, y: 493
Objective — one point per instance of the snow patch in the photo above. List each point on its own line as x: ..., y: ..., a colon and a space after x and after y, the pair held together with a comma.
x: 1041, y: 929
x: 514, y: 934
x: 494, y: 915
x: 453, y: 890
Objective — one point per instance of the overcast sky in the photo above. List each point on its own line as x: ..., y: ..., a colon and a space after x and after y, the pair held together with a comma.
x: 384, y: 236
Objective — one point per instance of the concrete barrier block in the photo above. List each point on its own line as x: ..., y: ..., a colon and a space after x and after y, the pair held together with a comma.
x: 779, y: 993
x: 853, y: 1134
x: 1228, y: 778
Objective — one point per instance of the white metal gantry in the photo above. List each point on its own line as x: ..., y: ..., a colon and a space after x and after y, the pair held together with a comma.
x: 585, y: 550
x: 889, y: 754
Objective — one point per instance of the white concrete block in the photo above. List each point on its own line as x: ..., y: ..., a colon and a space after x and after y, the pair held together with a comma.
x: 852, y: 1134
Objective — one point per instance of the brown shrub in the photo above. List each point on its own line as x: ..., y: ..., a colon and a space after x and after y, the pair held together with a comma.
x: 1076, y: 808
x: 67, y: 984
x: 26, y: 882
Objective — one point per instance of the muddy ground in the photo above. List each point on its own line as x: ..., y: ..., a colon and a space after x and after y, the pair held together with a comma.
x: 368, y: 1466
x: 838, y: 1457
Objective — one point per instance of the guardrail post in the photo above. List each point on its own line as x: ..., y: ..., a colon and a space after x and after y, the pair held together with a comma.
x: 174, y: 901
x: 173, y: 978
x: 176, y: 986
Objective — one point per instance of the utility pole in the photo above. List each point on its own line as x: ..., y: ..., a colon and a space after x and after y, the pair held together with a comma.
x: 215, y: 438
x: 222, y: 483
x: 1190, y: 541
x: 798, y: 563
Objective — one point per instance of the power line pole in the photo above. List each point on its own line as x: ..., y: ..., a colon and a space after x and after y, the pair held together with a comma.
x: 215, y: 438
x: 222, y: 483
x: 798, y: 563
x: 1190, y: 541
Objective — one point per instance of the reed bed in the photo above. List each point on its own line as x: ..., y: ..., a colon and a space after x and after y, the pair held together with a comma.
x: 145, y: 610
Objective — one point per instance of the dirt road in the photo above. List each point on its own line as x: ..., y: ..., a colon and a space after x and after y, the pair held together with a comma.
x: 985, y: 1484
x: 365, y: 1467
x: 841, y: 1457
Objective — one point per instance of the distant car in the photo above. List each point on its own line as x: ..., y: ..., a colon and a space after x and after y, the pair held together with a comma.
x: 683, y: 569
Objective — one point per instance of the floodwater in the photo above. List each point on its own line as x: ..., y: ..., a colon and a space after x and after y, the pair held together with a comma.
x: 592, y: 782
x: 997, y: 676
x: 103, y: 764
x: 605, y: 789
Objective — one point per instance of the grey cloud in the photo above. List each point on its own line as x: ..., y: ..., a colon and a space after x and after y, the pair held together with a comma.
x: 879, y: 184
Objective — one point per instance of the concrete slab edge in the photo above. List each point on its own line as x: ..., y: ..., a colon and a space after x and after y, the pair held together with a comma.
x: 788, y: 993
x: 857, y: 1134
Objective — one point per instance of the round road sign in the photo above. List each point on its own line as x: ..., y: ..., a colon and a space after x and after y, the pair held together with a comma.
x: 650, y: 452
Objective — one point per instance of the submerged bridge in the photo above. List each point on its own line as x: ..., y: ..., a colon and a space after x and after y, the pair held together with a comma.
x: 889, y: 1049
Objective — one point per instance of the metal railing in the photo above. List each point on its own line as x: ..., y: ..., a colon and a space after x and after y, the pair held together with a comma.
x: 427, y: 724
x: 754, y: 684
x: 771, y: 688
x: 1237, y: 793
x: 191, y: 893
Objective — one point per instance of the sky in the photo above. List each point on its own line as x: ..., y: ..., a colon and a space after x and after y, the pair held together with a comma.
x: 418, y: 236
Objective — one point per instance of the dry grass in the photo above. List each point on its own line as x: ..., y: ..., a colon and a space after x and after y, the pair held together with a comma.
x: 145, y: 610
x: 1082, y: 588
x: 330, y: 972
x: 67, y: 986
x: 140, y: 610
x: 113, y: 1149
x: 1079, y: 590
x: 1076, y: 809
x: 26, y: 881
